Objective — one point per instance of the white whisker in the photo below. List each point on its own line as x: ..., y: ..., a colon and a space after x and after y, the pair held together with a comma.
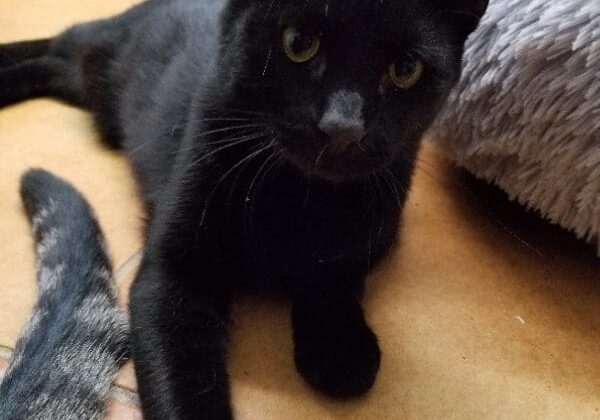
x: 225, y: 129
x: 227, y: 146
x: 230, y: 171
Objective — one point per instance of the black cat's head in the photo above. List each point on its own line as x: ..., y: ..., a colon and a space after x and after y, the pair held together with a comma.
x: 345, y: 86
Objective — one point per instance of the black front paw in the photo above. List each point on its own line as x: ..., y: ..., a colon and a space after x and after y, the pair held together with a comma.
x: 339, y: 360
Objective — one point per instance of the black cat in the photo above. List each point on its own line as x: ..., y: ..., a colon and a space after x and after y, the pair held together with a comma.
x: 274, y: 142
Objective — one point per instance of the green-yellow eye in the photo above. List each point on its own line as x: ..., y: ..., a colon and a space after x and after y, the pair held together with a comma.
x: 405, y: 73
x: 299, y: 47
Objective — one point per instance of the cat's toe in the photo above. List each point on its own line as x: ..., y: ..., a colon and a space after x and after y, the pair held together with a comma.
x: 340, y: 366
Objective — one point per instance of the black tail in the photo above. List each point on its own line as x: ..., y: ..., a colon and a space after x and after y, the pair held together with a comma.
x: 64, y: 362
x: 29, y: 70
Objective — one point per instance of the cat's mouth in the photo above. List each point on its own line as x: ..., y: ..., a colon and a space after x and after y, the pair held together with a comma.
x: 337, y: 160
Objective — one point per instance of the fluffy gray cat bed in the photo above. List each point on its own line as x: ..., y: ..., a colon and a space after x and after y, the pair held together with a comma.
x: 526, y: 113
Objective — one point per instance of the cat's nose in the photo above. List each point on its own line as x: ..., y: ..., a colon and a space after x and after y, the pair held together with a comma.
x: 342, y: 120
x: 345, y: 133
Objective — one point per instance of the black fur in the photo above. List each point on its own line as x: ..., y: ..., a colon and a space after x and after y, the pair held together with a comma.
x: 245, y: 192
x: 18, y: 52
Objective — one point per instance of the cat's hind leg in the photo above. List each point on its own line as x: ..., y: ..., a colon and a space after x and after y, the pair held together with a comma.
x: 32, y: 69
x: 74, y: 67
x: 18, y: 52
x: 46, y: 76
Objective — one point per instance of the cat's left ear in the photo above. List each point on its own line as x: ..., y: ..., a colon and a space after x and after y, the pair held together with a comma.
x: 463, y: 15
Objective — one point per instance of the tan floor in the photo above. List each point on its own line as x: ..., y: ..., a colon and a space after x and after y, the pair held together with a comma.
x: 482, y: 311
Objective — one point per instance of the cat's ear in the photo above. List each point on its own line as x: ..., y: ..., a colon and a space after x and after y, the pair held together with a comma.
x: 463, y: 15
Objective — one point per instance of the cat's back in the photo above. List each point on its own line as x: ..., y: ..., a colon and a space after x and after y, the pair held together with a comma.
x: 168, y: 52
x: 161, y: 71
x: 150, y: 25
x: 154, y: 23
x: 160, y: 34
x: 142, y: 70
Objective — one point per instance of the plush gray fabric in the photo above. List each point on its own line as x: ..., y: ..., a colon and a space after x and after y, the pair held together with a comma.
x: 526, y: 113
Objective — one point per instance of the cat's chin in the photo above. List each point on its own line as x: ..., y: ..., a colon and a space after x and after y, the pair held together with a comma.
x: 339, y: 177
x: 335, y: 166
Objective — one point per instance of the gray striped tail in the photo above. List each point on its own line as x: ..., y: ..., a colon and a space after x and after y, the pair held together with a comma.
x: 76, y: 338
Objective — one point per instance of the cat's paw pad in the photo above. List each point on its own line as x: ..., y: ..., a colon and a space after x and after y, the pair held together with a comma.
x: 339, y: 365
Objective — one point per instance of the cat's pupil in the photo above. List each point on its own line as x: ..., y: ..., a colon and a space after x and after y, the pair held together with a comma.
x: 299, y: 42
x: 406, y: 67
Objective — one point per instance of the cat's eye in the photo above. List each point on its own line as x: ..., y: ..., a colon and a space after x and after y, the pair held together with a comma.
x: 406, y: 73
x: 298, y: 46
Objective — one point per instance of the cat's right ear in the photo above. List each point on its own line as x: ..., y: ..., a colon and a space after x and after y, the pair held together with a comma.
x: 463, y: 15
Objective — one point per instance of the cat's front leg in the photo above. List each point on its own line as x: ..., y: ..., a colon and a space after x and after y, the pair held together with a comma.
x: 179, y: 336
x: 335, y: 350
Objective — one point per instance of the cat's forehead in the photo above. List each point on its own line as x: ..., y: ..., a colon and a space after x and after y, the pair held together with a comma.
x: 367, y: 25
x: 360, y: 20
x: 341, y: 11
x: 330, y: 7
x: 406, y: 22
